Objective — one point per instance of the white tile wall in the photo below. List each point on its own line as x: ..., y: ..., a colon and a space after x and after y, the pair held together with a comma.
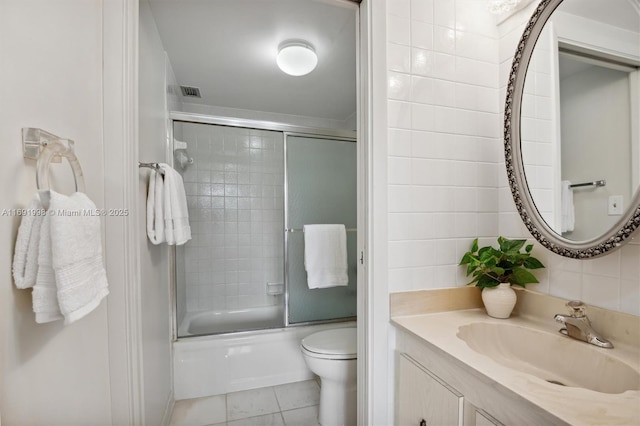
x: 444, y: 137
x: 448, y: 64
x: 235, y: 199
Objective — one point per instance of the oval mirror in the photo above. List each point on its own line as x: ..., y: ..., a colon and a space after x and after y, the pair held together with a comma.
x: 572, y: 128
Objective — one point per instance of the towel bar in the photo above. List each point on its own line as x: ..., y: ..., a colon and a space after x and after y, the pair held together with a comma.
x: 601, y: 182
x: 154, y: 166
x: 46, y: 148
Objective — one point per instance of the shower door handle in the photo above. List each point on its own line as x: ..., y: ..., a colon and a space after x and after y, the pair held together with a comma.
x: 362, y: 258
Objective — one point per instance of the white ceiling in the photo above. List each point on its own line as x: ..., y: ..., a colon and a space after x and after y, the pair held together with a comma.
x: 228, y: 49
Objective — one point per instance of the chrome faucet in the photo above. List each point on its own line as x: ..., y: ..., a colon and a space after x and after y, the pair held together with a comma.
x: 578, y: 326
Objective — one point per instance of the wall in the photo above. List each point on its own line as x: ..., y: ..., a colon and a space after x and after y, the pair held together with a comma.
x: 611, y: 281
x: 448, y: 64
x: 443, y: 138
x: 51, y: 66
x: 594, y: 108
x: 154, y: 260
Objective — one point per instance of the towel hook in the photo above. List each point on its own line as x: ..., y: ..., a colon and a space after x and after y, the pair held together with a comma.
x: 46, y: 147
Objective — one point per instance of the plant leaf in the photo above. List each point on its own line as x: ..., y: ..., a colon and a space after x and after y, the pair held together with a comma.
x: 466, y: 258
x: 533, y: 263
x: 487, y: 281
x: 511, y: 245
x: 474, y: 246
x: 528, y: 248
x: 471, y: 268
x: 521, y: 277
x: 498, y: 271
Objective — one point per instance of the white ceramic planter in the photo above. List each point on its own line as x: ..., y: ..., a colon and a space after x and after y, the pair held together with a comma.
x: 499, y: 300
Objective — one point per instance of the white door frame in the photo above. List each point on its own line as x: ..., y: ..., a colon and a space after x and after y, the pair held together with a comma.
x: 120, y: 91
x: 122, y: 235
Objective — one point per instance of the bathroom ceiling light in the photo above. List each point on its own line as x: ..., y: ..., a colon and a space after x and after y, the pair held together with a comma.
x: 501, y: 6
x: 296, y: 57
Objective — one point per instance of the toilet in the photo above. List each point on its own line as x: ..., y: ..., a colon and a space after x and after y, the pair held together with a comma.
x: 332, y: 355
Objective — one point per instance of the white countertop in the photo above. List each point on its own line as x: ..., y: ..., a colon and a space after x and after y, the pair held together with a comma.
x: 576, y: 406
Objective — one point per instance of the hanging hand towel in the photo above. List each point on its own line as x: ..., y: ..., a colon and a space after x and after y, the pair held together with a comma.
x: 77, y: 255
x: 25, y: 257
x: 567, y: 220
x: 155, y: 208
x: 45, y: 292
x: 176, y: 215
x: 325, y: 255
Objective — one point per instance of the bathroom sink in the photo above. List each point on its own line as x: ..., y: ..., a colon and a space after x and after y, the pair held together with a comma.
x: 551, y: 357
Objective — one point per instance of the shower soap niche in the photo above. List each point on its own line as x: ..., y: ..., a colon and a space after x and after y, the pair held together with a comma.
x: 274, y: 289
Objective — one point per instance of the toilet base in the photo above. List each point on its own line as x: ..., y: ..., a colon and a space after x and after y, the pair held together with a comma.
x: 338, y: 404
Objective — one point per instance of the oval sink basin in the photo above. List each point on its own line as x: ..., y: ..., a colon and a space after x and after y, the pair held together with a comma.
x: 554, y: 358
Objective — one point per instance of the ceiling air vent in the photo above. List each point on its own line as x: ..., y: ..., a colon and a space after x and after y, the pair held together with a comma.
x: 190, y: 92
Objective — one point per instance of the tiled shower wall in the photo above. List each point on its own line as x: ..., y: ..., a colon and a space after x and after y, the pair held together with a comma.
x: 235, y: 196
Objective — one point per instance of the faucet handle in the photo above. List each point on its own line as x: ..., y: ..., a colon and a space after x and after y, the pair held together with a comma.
x: 577, y: 309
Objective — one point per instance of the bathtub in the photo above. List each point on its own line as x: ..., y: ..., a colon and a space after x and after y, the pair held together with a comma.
x: 215, y: 322
x: 219, y: 364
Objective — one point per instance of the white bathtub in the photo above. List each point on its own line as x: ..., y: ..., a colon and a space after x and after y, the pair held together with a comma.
x: 218, y: 364
x: 214, y: 322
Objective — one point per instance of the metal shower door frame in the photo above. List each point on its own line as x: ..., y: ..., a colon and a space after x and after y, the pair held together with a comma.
x: 286, y: 227
x: 285, y: 129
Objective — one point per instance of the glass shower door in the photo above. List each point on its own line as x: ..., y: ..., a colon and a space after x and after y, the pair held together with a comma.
x: 321, y: 189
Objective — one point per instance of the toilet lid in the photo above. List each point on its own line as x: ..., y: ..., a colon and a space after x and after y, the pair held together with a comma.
x: 339, y: 341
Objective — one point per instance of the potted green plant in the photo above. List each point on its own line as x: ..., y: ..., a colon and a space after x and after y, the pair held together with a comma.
x: 494, y: 270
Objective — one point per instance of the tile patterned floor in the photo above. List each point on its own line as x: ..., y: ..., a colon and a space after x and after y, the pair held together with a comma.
x: 293, y: 404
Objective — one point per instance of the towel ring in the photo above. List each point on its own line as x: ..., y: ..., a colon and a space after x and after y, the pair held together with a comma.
x: 59, y: 147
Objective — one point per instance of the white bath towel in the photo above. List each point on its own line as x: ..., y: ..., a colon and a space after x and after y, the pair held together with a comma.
x: 76, y: 250
x: 45, y: 291
x: 155, y: 208
x: 568, y: 217
x: 25, y: 255
x: 325, y: 255
x: 176, y: 215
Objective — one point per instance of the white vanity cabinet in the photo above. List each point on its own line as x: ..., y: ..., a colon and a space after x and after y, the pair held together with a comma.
x: 434, y: 389
x: 423, y: 399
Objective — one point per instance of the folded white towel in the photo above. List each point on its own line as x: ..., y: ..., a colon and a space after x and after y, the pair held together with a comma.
x: 76, y: 255
x: 155, y: 208
x: 325, y: 255
x: 176, y: 215
x: 568, y: 217
x: 25, y: 257
x: 45, y: 292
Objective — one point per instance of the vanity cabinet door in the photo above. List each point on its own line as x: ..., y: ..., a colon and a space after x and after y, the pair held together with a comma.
x: 482, y: 419
x: 476, y: 417
x: 424, y: 400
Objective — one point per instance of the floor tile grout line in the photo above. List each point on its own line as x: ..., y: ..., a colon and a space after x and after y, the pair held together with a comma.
x: 275, y: 394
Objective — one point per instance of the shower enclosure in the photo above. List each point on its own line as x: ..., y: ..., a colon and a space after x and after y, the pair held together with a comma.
x: 251, y: 188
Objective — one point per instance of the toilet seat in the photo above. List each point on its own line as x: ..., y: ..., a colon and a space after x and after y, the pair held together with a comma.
x: 339, y: 343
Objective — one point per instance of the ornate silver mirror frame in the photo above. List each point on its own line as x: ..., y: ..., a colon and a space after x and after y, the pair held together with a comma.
x: 618, y: 234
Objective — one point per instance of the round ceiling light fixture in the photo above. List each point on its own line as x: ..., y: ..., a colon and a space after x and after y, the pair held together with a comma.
x: 296, y: 57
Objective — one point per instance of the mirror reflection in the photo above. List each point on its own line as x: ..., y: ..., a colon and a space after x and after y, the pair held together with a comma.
x: 579, y: 118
